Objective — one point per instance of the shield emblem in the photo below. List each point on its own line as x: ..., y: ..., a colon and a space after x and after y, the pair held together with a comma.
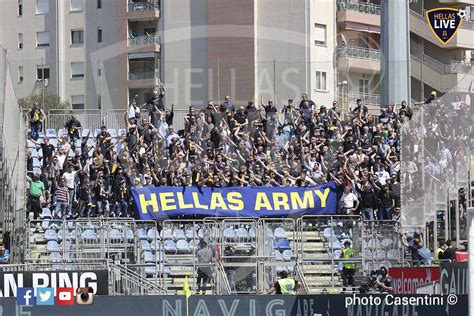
x: 444, y: 23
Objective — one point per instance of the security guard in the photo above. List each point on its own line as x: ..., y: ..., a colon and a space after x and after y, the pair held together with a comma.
x: 284, y: 286
x: 439, y: 252
x: 348, y: 270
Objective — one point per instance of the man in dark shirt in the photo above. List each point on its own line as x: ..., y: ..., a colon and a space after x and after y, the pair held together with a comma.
x: 361, y: 109
x: 240, y: 115
x: 450, y: 252
x: 47, y: 149
x: 73, y: 129
x: 368, y: 203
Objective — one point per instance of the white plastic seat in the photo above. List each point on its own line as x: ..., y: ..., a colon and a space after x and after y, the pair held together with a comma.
x: 148, y: 257
x: 153, y: 234
x: 387, y: 242
x: 392, y: 254
x: 54, y: 142
x: 51, y: 133
x: 252, y: 233
x: 328, y: 233
x: 50, y: 234
x: 145, y: 245
x: 269, y: 233
x: 242, y: 234
x: 55, y: 257
x: 368, y: 254
x: 278, y: 255
x: 155, y: 245
x: 112, y: 132
x: 89, y: 235
x: 337, y: 253
x: 166, y: 233
x: 194, y: 244
x: 170, y: 246
x: 52, y: 246
x: 142, y: 234
x: 122, y: 132
x: 182, y: 246
x: 46, y: 213
x: 85, y: 131
x: 96, y: 132
x: 380, y: 254
x: 280, y: 233
x: 374, y: 243
x: 192, y: 233
x: 178, y: 234
x: 287, y: 255
x: 160, y: 256
x: 334, y: 245
x: 150, y: 270
x: 229, y: 233
x: 115, y: 235
x: 128, y: 235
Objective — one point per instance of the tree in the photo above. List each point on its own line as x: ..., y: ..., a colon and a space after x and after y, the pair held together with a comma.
x: 51, y: 102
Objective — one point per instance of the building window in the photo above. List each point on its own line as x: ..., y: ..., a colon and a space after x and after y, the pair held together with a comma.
x: 99, y: 4
x: 40, y: 70
x: 321, y: 80
x: 42, y: 39
x: 42, y: 6
x: 77, y: 5
x: 77, y: 102
x: 77, y: 37
x: 20, y: 40
x: 99, y: 101
x: 20, y: 74
x: 20, y: 7
x: 99, y: 35
x: 320, y: 34
x: 363, y: 86
x: 77, y: 70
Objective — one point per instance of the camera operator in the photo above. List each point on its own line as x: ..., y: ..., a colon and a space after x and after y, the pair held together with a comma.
x: 384, y: 281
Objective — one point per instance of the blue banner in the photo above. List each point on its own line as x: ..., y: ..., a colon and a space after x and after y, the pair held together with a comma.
x: 171, y: 202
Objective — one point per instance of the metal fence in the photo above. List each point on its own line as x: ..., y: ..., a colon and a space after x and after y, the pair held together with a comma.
x: 368, y: 8
x: 359, y: 52
x: 141, y: 6
x: 144, y: 40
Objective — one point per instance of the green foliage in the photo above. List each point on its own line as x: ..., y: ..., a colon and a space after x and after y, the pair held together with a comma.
x: 51, y: 102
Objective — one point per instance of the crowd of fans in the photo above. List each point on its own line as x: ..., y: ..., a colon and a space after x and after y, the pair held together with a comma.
x: 224, y: 145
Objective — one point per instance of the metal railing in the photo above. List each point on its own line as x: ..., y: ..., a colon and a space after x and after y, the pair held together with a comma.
x: 144, y: 40
x: 367, y: 98
x: 90, y: 119
x: 359, y: 52
x: 144, y: 74
x: 124, y: 281
x: 453, y: 67
x: 368, y: 8
x: 143, y: 6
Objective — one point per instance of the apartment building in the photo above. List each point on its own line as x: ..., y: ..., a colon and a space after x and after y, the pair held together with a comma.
x: 100, y: 53
x: 438, y: 67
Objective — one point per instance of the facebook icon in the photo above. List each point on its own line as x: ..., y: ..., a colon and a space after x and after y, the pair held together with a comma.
x: 25, y: 296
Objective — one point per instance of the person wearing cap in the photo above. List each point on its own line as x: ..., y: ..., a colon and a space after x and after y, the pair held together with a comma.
x: 284, y: 286
x: 348, y: 270
x: 432, y: 97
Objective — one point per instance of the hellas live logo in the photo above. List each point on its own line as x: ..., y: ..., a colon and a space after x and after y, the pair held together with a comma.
x: 445, y: 22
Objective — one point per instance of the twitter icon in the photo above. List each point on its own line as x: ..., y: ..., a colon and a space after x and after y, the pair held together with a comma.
x: 45, y: 296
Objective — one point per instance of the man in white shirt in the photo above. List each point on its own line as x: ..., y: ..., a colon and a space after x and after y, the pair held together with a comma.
x: 349, y: 201
x: 70, y: 182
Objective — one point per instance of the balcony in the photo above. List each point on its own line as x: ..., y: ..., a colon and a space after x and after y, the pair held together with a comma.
x: 361, y: 15
x: 372, y: 101
x: 456, y: 2
x: 145, y: 40
x: 358, y: 59
x: 142, y: 10
x: 462, y: 39
x: 143, y: 69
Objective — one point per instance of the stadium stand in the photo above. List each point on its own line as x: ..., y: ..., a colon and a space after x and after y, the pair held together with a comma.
x: 220, y: 146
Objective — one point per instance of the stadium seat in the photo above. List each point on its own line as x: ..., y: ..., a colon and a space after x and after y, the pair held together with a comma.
x: 148, y: 257
x: 52, y: 246
x: 374, y: 243
x: 89, y: 235
x: 115, y: 236
x: 269, y: 233
x: 145, y: 245
x: 30, y: 144
x: 280, y: 233
x: 337, y: 253
x: 392, y: 254
x: 153, y: 234
x: 387, y: 242
x: 242, y: 234
x: 155, y: 245
x: 142, y: 234
x: 51, y: 133
x: 55, y: 257
x: 45, y: 224
x: 182, y: 246
x: 50, y: 234
x: 194, y: 244
x: 179, y: 234
x: 166, y: 234
x: 280, y: 269
x: 278, y: 256
x: 160, y: 256
x: 150, y: 270
x: 380, y: 254
x: 192, y: 233
x: 34, y: 153
x: 78, y: 143
x: 368, y: 254
x: 229, y: 233
x: 36, y: 163
x: 128, y: 235
x: 46, y: 213
x: 287, y: 255
x: 170, y: 246
x: 252, y: 233
x: 122, y: 132
x: 96, y: 132
x: 61, y: 132
x: 85, y: 131
x: 112, y: 132
x: 283, y: 244
x: 328, y: 233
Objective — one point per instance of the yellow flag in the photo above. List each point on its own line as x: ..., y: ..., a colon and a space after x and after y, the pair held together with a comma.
x: 186, y: 290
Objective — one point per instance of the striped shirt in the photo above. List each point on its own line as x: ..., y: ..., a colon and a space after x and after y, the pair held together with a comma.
x: 62, y: 194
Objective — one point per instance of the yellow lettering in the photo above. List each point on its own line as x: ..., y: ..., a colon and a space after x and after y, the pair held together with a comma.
x: 181, y: 203
x: 280, y: 199
x: 262, y: 201
x: 145, y: 203
x: 235, y: 201
x: 166, y: 201
x: 298, y: 203
x: 323, y: 196
x: 198, y: 204
x: 217, y: 201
